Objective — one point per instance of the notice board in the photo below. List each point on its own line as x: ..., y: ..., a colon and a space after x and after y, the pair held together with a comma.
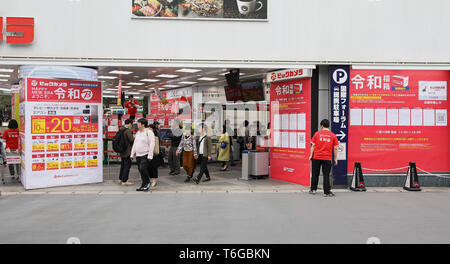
x: 62, y: 132
x: 290, y: 130
x: 397, y: 117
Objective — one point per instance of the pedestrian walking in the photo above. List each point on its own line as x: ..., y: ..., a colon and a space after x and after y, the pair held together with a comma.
x: 189, y: 148
x: 157, y: 159
x: 11, y: 136
x: 204, y: 146
x: 142, y: 150
x: 224, y: 149
x: 323, y: 143
x: 174, y: 134
x: 126, y: 141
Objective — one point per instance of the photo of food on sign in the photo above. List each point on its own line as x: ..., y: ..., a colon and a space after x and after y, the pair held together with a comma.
x: 200, y: 9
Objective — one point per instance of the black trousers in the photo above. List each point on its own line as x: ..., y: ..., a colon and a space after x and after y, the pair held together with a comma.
x: 125, y: 166
x: 143, y: 167
x: 326, y: 168
x: 203, y: 167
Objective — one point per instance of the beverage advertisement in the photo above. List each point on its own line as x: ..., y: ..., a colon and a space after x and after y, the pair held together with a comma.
x: 63, y: 127
x: 290, y: 130
x: 255, y: 10
x: 397, y: 117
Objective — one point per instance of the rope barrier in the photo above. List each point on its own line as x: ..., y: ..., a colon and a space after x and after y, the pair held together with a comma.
x: 437, y: 175
x: 386, y: 170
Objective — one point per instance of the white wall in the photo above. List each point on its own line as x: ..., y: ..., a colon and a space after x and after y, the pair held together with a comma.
x: 297, y: 31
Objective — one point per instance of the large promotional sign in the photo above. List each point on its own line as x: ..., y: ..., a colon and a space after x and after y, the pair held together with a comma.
x: 62, y: 134
x: 178, y: 104
x: 290, y: 115
x: 201, y: 9
x: 340, y: 80
x: 397, y: 117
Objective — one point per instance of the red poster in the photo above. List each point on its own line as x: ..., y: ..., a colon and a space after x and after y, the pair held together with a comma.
x: 397, y: 117
x: 62, y: 124
x: 49, y: 90
x: 290, y: 131
x: 180, y: 107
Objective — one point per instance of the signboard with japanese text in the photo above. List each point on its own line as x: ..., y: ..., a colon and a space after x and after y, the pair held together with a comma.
x: 339, y: 77
x: 63, y: 127
x: 290, y: 132
x: 397, y: 117
x: 179, y: 105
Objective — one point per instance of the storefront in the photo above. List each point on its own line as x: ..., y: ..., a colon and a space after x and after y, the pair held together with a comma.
x: 392, y: 103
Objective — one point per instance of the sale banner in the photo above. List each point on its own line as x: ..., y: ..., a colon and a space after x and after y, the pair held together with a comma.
x: 290, y: 115
x: 63, y: 119
x: 397, y: 117
x: 178, y: 104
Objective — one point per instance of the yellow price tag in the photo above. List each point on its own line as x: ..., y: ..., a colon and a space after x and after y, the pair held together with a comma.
x: 38, y: 126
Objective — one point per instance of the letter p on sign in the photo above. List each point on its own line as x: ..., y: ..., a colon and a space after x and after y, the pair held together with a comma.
x: 340, y: 76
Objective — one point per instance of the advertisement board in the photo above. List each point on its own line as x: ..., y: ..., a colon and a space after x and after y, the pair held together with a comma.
x: 290, y: 132
x: 63, y: 133
x: 397, y: 117
x: 200, y: 9
x: 179, y: 105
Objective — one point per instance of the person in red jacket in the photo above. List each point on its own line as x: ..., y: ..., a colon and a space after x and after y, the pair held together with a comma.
x: 132, y: 105
x: 323, y: 143
x: 11, y: 136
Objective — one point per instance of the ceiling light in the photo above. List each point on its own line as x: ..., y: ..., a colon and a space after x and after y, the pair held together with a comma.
x: 171, y: 86
x: 188, y: 83
x: 6, y: 70
x: 3, y: 80
x: 121, y: 72
x: 109, y: 96
x: 168, y: 76
x: 149, y: 80
x: 5, y: 75
x: 107, y: 77
x: 133, y: 93
x: 208, y: 79
x: 133, y: 83
x: 188, y: 70
x: 124, y: 86
x: 109, y: 92
x: 4, y: 89
x: 223, y: 74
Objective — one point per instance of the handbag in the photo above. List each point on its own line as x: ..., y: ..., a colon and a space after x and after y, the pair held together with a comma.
x: 223, y: 145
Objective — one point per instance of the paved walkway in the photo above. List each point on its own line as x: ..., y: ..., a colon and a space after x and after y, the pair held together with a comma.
x: 222, y: 182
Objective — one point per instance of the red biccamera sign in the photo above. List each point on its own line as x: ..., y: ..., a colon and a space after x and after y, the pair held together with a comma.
x: 19, y: 30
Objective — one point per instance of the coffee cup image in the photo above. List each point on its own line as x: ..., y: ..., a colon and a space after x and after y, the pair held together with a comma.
x: 249, y: 6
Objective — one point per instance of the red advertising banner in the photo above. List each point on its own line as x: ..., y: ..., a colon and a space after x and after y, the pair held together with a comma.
x: 397, y: 117
x: 171, y: 110
x: 290, y: 116
x: 69, y: 91
x: 61, y: 124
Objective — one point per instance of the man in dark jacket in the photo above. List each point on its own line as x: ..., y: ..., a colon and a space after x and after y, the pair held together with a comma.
x: 174, y: 135
x: 125, y: 165
x: 204, y: 147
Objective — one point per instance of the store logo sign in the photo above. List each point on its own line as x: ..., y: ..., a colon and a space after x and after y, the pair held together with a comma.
x: 17, y: 30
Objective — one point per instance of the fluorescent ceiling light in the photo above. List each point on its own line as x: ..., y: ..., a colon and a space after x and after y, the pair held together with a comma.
x: 188, y: 83
x: 4, y: 89
x: 107, y: 77
x: 133, y: 93
x: 3, y: 80
x: 109, y: 92
x: 149, y: 80
x: 171, y: 86
x: 121, y: 72
x: 109, y: 96
x: 223, y: 74
x: 168, y: 76
x: 133, y: 83
x: 6, y: 70
x: 188, y: 70
x: 5, y: 75
x: 208, y: 79
x: 124, y: 86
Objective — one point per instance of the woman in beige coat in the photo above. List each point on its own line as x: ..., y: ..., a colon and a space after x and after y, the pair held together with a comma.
x: 224, y: 149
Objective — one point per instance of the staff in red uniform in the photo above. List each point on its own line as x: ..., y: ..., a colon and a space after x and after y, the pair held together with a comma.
x: 11, y: 136
x: 132, y: 105
x: 323, y: 143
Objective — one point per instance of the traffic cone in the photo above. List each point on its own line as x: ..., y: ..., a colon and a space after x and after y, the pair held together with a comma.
x: 358, y: 184
x: 412, y: 180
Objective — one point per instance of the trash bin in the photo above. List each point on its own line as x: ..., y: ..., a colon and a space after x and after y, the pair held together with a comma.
x: 245, y: 156
x: 258, y: 163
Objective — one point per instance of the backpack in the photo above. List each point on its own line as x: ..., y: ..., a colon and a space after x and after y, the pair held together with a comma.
x: 118, y: 142
x: 156, y: 149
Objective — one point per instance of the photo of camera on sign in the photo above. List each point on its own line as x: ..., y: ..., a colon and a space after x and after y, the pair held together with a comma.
x: 201, y: 9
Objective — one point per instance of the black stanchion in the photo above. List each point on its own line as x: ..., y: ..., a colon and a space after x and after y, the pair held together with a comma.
x: 412, y: 180
x: 358, y: 184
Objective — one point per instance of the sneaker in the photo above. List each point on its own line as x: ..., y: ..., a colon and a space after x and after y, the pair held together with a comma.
x: 188, y: 179
x: 195, y: 180
x: 143, y: 188
x: 207, y: 180
x: 154, y: 184
x: 119, y: 181
x: 329, y: 195
x: 313, y: 192
x: 127, y: 183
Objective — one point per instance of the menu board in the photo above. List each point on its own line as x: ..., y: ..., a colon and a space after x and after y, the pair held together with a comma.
x: 397, y: 117
x: 290, y: 103
x: 201, y: 9
x: 63, y: 127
